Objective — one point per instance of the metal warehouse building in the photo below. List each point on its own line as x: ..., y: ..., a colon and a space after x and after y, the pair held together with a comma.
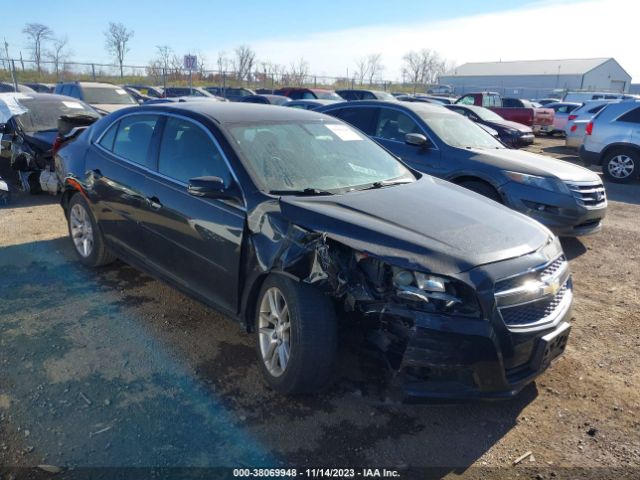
x: 539, y: 78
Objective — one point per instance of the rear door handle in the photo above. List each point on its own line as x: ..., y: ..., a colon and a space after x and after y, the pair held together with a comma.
x: 154, y: 203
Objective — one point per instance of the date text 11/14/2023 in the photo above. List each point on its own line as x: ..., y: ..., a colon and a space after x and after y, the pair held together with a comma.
x: 315, y: 473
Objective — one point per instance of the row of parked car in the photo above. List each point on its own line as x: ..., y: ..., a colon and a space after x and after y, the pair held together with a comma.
x: 410, y: 216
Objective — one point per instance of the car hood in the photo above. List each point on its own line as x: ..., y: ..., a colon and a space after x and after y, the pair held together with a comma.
x: 430, y: 225
x: 533, y: 164
x: 509, y: 124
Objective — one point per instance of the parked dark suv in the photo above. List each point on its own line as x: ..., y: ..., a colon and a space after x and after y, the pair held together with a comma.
x: 568, y: 199
x: 288, y: 220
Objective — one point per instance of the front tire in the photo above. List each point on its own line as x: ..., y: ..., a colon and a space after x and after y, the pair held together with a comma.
x: 85, y: 235
x: 296, y: 336
x: 621, y: 165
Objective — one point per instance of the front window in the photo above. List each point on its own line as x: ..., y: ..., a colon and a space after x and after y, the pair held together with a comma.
x: 325, y: 95
x: 319, y: 156
x: 457, y: 131
x: 487, y: 115
x: 43, y: 114
x: 98, y: 95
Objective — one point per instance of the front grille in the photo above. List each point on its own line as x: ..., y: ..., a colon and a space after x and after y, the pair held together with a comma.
x: 523, y: 308
x: 590, y: 195
x: 535, y: 311
x: 547, y: 271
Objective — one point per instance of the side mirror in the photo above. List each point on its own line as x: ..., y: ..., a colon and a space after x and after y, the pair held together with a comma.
x: 211, y: 187
x: 5, y: 128
x: 416, y: 139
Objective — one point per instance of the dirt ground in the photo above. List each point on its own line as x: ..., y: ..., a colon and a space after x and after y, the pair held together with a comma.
x: 111, y: 368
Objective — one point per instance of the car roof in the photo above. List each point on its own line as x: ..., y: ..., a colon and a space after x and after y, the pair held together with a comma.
x: 418, y: 107
x: 92, y: 84
x: 236, y: 112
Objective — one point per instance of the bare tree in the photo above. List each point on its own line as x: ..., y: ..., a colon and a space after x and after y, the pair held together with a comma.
x: 164, y: 54
x: 116, y: 42
x: 362, y: 68
x: 412, y: 67
x: 374, y: 66
x: 59, y: 53
x: 222, y: 62
x: 37, y: 34
x: 298, y: 71
x: 423, y: 67
x: 243, y: 63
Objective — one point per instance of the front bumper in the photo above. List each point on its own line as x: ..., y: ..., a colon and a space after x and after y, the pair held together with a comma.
x: 461, y: 359
x: 559, y: 212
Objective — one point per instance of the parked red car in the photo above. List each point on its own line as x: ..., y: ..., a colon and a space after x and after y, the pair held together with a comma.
x: 515, y: 110
x: 300, y: 93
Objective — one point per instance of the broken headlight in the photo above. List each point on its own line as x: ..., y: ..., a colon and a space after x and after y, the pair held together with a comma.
x: 435, y: 293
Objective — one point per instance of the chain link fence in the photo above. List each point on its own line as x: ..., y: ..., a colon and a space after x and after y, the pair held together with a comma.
x: 23, y: 71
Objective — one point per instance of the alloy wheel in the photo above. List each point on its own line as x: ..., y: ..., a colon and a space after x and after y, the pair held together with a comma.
x: 81, y: 230
x: 621, y: 166
x: 274, y: 328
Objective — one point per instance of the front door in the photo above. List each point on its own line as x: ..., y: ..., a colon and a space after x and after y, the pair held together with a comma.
x: 391, y: 127
x: 196, y: 241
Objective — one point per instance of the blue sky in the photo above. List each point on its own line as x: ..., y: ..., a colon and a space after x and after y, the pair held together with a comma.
x: 330, y: 35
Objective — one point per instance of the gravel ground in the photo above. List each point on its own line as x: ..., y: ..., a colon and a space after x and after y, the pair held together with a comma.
x: 111, y: 368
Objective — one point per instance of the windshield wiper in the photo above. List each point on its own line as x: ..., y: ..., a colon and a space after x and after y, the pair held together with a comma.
x: 385, y: 183
x: 304, y: 191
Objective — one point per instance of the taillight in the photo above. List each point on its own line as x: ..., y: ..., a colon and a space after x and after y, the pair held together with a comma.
x: 589, y: 128
x: 574, y: 128
x: 572, y: 117
x: 57, y: 143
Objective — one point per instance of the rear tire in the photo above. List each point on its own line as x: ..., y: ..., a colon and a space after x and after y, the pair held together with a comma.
x: 621, y: 165
x: 295, y: 336
x: 85, y: 235
x: 482, y: 188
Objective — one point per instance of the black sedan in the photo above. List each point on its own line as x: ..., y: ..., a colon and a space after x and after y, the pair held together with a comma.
x: 568, y: 199
x: 510, y: 133
x: 288, y: 220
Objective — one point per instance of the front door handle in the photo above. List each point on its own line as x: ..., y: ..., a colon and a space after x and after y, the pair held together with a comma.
x: 154, y: 203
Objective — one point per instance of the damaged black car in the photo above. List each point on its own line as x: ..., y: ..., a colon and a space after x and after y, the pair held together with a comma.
x: 32, y: 126
x: 292, y: 222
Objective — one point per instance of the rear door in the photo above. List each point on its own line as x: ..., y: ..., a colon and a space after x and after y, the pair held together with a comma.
x: 116, y: 166
x: 195, y: 241
x: 630, y: 123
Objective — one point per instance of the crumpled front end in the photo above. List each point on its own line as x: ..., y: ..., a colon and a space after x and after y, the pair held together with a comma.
x: 483, y: 333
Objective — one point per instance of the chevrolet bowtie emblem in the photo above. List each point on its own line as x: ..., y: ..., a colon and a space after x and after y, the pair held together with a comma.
x: 551, y: 287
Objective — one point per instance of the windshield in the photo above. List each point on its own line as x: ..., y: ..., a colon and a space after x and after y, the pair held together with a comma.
x: 457, y: 131
x: 327, y: 95
x: 97, y: 95
x: 43, y: 114
x: 321, y: 156
x: 488, y: 115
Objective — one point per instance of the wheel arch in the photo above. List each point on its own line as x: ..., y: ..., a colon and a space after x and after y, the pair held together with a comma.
x: 618, y: 146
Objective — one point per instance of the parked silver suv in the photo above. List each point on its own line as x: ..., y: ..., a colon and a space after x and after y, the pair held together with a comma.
x: 612, y: 139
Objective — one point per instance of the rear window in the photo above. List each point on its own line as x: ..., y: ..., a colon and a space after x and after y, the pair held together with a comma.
x: 98, y: 95
x: 632, y: 116
x: 43, y: 114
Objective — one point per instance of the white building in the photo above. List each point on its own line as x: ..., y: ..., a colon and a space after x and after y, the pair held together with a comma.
x: 539, y: 78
